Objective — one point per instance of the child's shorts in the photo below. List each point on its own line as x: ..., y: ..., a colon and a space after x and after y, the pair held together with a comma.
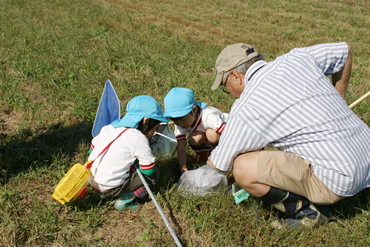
x: 132, y: 183
x: 202, y: 151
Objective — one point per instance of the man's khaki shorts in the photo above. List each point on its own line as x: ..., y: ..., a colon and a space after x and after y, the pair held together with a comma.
x: 290, y: 172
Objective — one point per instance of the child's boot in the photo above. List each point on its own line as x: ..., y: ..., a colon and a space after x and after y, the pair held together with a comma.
x: 122, y: 205
x: 124, y: 201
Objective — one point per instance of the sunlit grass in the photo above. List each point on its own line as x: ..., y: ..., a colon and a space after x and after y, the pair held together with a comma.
x: 55, y: 57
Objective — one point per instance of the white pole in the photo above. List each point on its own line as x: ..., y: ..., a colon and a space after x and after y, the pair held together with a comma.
x: 158, y: 207
x: 359, y: 100
x: 169, y: 138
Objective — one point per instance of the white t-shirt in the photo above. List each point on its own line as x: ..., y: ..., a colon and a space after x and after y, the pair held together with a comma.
x: 209, y: 118
x: 111, y: 169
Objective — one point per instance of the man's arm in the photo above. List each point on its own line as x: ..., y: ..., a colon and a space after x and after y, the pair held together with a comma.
x: 238, y: 137
x: 340, y: 79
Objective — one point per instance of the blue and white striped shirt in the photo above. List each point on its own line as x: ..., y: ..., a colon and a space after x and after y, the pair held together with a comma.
x: 291, y: 104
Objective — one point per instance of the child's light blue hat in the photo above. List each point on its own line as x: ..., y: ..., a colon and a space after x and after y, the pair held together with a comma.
x: 180, y: 101
x: 138, y: 108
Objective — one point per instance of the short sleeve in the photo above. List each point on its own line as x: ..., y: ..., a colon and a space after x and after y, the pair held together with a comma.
x: 93, y: 143
x: 214, y: 121
x: 180, y: 133
x: 144, y: 154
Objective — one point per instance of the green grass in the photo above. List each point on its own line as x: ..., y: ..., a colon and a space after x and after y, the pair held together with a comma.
x: 55, y: 57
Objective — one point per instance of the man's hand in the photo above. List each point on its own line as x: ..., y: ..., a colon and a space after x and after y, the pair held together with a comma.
x: 210, y: 163
x: 213, y: 166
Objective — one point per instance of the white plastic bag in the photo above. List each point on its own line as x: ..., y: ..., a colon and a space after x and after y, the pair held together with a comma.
x: 163, y: 141
x: 202, y: 181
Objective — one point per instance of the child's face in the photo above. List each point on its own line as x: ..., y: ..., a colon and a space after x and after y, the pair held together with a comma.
x: 150, y: 133
x: 186, y: 121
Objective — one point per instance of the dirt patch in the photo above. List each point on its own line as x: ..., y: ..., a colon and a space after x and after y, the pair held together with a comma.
x: 9, y: 120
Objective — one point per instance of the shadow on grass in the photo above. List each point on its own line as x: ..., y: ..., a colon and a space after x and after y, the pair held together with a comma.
x: 38, y: 149
x: 352, y: 206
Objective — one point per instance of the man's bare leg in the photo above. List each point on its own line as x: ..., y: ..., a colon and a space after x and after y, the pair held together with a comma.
x: 245, y: 174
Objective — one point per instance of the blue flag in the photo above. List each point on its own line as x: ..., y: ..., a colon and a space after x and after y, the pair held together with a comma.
x: 108, y: 110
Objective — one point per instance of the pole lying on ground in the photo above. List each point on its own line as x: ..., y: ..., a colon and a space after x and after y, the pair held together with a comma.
x: 158, y: 207
x: 359, y: 100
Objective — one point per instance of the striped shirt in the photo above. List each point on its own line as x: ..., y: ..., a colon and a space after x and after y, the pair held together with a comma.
x: 291, y: 104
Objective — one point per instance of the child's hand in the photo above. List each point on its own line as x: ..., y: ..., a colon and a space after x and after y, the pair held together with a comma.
x: 183, y: 169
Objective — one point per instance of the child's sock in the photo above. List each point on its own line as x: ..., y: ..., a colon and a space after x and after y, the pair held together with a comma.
x: 140, y: 192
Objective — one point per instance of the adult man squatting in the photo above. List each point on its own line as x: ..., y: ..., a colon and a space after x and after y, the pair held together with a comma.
x: 290, y: 103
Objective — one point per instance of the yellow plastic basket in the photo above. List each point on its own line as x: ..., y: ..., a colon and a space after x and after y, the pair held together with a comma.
x: 73, y: 184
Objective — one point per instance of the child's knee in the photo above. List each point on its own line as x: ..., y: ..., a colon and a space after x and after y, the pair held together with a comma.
x: 212, y: 136
x: 197, y: 138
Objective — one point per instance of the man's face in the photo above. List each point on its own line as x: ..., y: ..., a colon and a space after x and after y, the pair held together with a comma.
x: 234, y: 83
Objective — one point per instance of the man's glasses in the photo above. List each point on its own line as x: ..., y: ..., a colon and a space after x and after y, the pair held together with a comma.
x: 224, y: 88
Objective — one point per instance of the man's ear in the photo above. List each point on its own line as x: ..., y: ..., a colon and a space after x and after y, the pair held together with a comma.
x: 237, y: 77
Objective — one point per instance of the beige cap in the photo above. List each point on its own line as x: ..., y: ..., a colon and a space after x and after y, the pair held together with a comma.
x: 231, y: 57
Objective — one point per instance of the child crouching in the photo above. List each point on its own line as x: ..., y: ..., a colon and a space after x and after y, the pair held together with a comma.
x: 113, y: 173
x: 203, y: 123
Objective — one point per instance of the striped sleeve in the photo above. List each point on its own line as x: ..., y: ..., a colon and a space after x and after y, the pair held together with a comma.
x: 221, y: 128
x: 238, y: 138
x: 180, y: 133
x: 330, y: 57
x: 144, y: 154
x: 214, y: 121
x: 94, y: 141
x: 147, y: 167
x: 180, y: 137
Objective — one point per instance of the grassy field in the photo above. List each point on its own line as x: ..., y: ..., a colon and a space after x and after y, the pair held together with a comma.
x: 55, y: 57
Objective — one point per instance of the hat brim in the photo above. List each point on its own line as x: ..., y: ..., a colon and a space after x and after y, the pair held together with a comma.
x: 127, y: 121
x: 161, y: 119
x: 130, y: 121
x: 201, y: 104
x: 217, y: 82
x: 177, y: 114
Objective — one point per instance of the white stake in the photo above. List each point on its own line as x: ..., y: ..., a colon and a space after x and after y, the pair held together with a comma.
x: 158, y: 207
x: 359, y: 100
